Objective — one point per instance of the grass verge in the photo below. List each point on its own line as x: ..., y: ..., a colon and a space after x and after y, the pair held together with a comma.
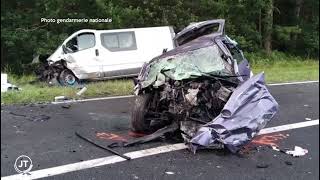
x: 278, y: 67
x: 41, y: 92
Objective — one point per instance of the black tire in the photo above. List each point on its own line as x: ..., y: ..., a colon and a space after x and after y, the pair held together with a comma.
x: 140, y: 107
x: 67, y: 78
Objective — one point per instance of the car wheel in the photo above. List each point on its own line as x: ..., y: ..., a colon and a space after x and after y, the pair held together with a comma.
x: 67, y: 78
x: 140, y: 107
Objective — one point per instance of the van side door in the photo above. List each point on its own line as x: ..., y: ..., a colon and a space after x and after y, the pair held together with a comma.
x: 119, y: 53
x: 82, y: 56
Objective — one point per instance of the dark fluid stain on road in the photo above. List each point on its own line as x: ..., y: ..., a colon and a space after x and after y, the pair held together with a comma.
x: 263, y: 140
x: 110, y: 136
x: 269, y: 139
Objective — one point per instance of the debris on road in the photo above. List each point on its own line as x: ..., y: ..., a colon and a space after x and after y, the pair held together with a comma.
x: 155, y: 135
x: 36, y: 118
x: 5, y: 85
x: 262, y: 165
x: 66, y: 106
x: 289, y: 163
x: 84, y: 89
x: 102, y: 147
x: 204, y: 87
x: 39, y: 118
x: 16, y: 114
x: 60, y: 98
x: 169, y: 173
x: 308, y: 119
x: 297, y: 152
x: 135, y: 176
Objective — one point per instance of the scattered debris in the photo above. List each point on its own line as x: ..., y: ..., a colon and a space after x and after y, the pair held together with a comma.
x: 308, y: 119
x: 18, y: 130
x: 276, y: 148
x: 60, y: 98
x: 84, y: 89
x: 66, y: 106
x: 5, y: 85
x: 102, y: 147
x: 39, y: 118
x: 153, y: 136
x: 297, y: 152
x: 289, y: 163
x: 306, y: 105
x: 169, y: 172
x: 16, y: 114
x: 262, y: 165
x: 135, y: 176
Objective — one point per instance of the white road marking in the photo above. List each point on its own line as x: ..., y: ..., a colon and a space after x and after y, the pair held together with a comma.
x: 135, y: 154
x: 289, y: 83
x: 92, y: 99
x: 289, y: 127
x: 129, y: 96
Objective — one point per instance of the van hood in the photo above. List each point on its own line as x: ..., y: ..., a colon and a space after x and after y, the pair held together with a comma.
x: 57, y: 55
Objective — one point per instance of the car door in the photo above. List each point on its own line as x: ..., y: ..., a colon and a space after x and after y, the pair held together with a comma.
x: 81, y: 54
x: 118, y: 53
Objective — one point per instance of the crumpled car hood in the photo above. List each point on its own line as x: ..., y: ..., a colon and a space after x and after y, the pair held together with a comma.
x: 247, y: 111
x: 190, y: 64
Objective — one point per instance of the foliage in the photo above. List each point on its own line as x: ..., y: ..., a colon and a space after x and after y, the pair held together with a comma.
x: 23, y: 35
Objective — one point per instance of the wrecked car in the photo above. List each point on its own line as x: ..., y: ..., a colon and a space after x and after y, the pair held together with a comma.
x: 203, y: 89
x: 103, y: 54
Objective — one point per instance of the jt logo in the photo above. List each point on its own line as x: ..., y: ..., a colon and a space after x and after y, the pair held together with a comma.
x: 23, y: 164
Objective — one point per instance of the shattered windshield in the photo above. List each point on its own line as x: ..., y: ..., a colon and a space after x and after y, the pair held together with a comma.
x: 186, y: 65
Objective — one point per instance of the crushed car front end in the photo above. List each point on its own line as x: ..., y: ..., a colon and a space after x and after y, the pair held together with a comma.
x: 204, y: 88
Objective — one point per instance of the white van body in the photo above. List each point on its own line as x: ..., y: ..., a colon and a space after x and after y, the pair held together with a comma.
x: 100, y: 54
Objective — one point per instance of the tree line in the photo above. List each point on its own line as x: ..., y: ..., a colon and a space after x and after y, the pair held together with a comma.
x: 291, y: 26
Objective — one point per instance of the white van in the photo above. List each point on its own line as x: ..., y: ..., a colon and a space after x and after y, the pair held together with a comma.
x: 101, y: 54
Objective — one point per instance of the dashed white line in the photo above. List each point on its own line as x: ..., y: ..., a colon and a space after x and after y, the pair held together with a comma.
x: 135, y: 154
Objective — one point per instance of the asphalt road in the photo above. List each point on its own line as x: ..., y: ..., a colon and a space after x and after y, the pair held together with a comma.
x: 52, y: 142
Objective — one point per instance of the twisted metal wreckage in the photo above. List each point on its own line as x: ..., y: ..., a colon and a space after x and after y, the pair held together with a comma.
x: 204, y: 89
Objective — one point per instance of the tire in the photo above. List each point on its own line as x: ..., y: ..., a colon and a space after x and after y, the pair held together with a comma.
x: 140, y: 107
x: 67, y: 78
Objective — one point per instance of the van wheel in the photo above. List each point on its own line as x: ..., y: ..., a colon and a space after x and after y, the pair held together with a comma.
x: 140, y: 108
x: 67, y: 78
